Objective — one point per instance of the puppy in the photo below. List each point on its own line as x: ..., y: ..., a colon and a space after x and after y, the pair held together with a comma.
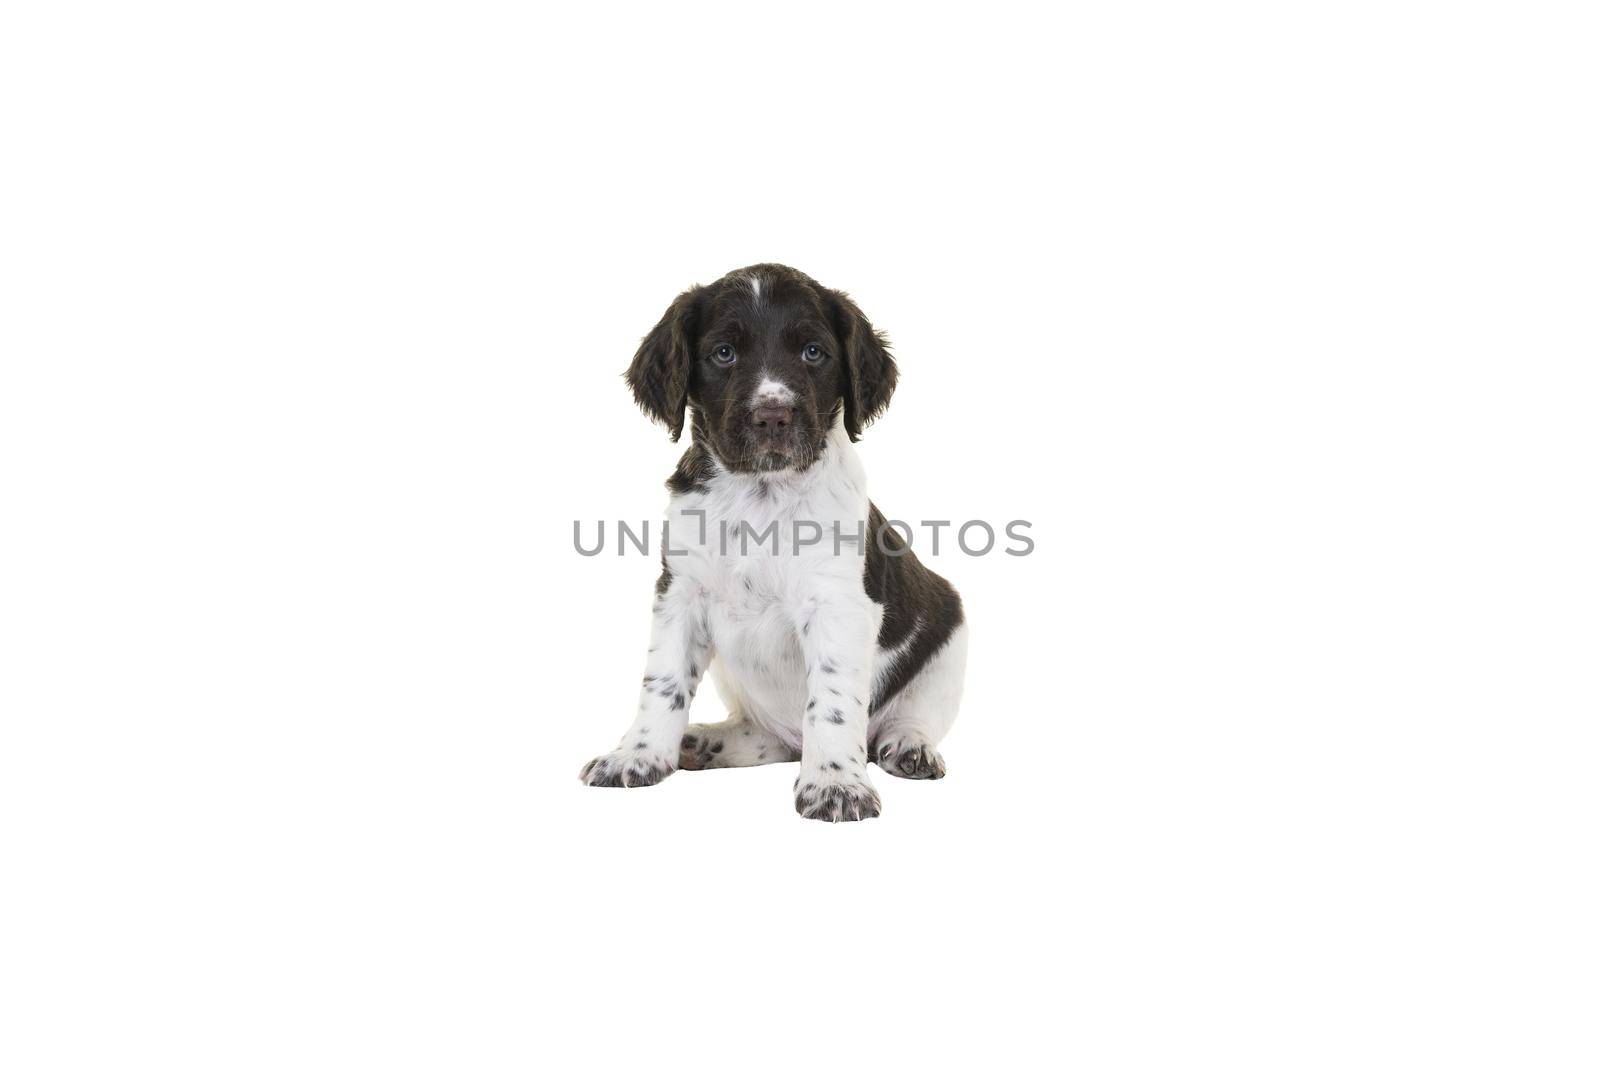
x: 830, y: 643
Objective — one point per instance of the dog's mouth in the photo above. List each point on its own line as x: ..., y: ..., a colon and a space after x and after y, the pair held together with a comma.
x: 769, y: 458
x: 781, y: 445
x: 764, y: 453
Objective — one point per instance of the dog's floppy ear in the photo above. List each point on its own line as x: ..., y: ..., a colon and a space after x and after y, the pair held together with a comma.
x: 870, y: 372
x: 659, y: 373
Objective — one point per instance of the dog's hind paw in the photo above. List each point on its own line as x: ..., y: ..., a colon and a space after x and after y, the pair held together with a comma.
x: 626, y: 769
x: 699, y: 751
x: 909, y: 758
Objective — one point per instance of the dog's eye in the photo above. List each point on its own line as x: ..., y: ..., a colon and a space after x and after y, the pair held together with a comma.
x: 812, y: 353
x: 723, y: 354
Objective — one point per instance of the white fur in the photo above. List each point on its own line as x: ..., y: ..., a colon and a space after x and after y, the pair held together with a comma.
x: 772, y: 391
x: 794, y: 633
x: 772, y: 616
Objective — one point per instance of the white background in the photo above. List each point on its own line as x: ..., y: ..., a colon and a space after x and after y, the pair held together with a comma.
x: 1277, y: 321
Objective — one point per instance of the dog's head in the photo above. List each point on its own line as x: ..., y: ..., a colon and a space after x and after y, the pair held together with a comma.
x: 768, y: 361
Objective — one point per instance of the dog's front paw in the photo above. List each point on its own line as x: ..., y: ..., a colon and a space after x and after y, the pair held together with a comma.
x: 628, y: 769
x: 835, y: 795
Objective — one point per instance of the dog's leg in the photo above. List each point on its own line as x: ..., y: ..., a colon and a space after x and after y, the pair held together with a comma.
x: 680, y: 648
x: 905, y: 733
x: 837, y: 642
x: 732, y: 743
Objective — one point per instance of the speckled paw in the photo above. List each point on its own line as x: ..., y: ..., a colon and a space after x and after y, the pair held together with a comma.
x: 836, y: 799
x: 625, y: 769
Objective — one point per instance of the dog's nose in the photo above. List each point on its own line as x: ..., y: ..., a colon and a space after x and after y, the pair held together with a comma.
x: 772, y: 416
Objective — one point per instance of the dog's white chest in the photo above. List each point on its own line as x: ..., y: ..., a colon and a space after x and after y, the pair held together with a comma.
x: 758, y: 593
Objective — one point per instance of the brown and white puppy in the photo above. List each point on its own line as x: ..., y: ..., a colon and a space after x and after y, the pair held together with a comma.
x: 829, y: 641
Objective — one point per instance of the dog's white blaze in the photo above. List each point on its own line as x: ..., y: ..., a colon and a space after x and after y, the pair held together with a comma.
x: 755, y: 285
x: 772, y: 391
